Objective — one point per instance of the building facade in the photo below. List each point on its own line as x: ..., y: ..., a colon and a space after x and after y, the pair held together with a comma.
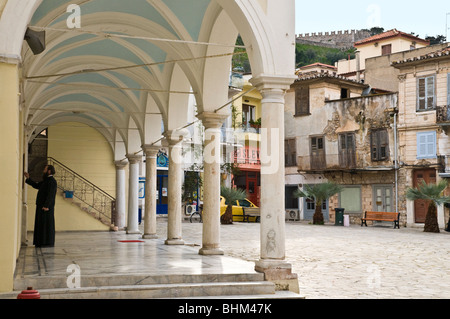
x: 337, y: 131
x: 424, y: 144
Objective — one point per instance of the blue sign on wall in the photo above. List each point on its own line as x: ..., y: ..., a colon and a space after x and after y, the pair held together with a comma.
x: 162, y: 160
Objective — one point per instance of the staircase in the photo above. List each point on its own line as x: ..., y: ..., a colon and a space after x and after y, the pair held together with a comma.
x: 87, y: 196
x: 223, y: 286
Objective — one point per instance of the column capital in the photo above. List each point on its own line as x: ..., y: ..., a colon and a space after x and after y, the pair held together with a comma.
x: 121, y: 164
x: 174, y: 137
x: 134, y: 158
x: 150, y: 150
x: 273, y: 87
x: 212, y: 120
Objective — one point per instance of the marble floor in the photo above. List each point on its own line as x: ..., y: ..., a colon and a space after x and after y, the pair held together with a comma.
x: 103, y: 253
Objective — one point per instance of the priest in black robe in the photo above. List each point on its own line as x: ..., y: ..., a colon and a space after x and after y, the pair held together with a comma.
x: 44, y: 225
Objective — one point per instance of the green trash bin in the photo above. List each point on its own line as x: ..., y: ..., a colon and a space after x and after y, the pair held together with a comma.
x: 339, y: 218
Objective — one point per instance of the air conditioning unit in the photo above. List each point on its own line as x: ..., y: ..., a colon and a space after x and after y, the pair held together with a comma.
x: 292, y: 214
x: 190, y: 209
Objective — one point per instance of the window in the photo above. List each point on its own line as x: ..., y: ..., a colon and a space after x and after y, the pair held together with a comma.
x: 426, y: 145
x: 425, y: 93
x: 350, y: 199
x: 386, y: 49
x: 347, y: 150
x: 248, y: 113
x: 290, y: 152
x: 345, y: 93
x: 302, y: 100
x: 379, y: 145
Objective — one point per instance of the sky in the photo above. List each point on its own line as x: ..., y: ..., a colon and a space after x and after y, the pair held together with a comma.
x: 424, y: 18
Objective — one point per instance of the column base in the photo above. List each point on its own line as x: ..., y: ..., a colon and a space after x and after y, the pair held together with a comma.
x: 280, y: 273
x: 211, y: 251
x: 134, y: 232
x: 175, y: 241
x: 149, y: 236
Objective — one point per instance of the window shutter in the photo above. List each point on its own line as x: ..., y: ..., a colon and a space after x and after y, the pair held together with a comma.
x: 448, y: 89
x: 302, y: 100
x: 293, y: 151
x: 430, y: 92
x: 426, y: 145
x: 374, y: 145
x: 421, y: 95
x: 383, y: 138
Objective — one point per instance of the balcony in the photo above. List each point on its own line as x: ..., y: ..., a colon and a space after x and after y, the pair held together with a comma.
x: 444, y: 161
x: 339, y: 162
x: 443, y: 115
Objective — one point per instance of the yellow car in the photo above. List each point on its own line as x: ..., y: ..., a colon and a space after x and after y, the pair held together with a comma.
x: 238, y: 215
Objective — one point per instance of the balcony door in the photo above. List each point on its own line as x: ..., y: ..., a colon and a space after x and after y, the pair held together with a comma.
x: 347, y: 150
x: 318, y: 160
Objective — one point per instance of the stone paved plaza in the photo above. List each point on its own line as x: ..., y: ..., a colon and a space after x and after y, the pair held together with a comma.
x: 350, y: 262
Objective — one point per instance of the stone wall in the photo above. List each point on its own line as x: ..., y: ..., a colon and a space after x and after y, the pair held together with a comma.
x: 336, y: 39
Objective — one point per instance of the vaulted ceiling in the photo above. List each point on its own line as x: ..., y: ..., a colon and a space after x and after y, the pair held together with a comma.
x: 122, y: 67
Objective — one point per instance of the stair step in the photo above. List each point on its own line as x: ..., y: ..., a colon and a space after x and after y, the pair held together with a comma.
x: 162, y: 291
x: 60, y: 282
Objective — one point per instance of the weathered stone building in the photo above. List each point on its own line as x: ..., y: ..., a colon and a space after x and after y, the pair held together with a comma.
x: 336, y: 130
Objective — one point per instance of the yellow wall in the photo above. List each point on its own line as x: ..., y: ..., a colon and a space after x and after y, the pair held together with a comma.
x: 10, y: 183
x: 252, y: 98
x: 85, y: 151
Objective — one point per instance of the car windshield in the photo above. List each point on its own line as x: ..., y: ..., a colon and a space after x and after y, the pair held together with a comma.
x: 245, y: 203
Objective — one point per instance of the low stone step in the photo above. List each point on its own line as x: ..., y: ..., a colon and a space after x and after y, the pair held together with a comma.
x: 60, y: 282
x: 185, y: 290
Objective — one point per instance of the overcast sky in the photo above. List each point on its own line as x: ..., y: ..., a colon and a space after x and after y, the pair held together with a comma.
x: 421, y: 17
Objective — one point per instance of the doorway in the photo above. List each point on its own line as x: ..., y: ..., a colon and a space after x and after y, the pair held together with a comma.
x: 421, y: 205
x: 162, y: 201
x: 382, y: 198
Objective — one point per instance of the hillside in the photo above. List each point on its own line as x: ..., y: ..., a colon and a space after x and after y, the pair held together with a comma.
x: 308, y: 54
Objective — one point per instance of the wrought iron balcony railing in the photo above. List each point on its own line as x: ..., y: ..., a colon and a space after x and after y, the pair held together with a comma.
x: 97, y: 202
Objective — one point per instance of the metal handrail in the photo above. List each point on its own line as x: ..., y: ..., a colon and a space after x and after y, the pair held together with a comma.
x: 84, y: 190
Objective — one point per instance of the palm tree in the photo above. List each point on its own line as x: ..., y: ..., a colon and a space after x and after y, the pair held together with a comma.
x: 231, y: 195
x: 319, y: 192
x: 433, y: 194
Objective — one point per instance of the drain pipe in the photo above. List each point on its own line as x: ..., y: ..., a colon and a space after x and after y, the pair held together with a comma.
x: 396, y: 160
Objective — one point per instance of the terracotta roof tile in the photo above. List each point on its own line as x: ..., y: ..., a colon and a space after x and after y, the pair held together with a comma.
x: 390, y: 34
x: 445, y: 52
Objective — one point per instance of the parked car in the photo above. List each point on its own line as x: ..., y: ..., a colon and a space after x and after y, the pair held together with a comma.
x: 238, y: 215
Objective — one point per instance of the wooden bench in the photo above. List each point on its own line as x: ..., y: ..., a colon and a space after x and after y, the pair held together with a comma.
x: 381, y: 216
x: 250, y: 212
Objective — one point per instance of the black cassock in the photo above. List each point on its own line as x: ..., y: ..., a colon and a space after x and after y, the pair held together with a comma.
x: 44, y: 224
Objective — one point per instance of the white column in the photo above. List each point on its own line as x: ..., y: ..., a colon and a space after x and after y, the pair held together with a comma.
x: 174, y: 227
x: 120, y: 218
x: 133, y: 195
x: 211, y: 183
x: 150, y: 228
x: 272, y: 261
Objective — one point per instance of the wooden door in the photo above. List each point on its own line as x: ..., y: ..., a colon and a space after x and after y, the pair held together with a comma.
x: 421, y: 206
x: 347, y: 150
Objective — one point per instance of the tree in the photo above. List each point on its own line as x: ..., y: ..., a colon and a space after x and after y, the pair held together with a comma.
x: 433, y: 193
x: 319, y: 192
x: 436, y: 40
x: 231, y: 195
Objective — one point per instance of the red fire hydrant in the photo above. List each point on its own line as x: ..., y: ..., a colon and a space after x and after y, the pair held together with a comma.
x: 29, y: 294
